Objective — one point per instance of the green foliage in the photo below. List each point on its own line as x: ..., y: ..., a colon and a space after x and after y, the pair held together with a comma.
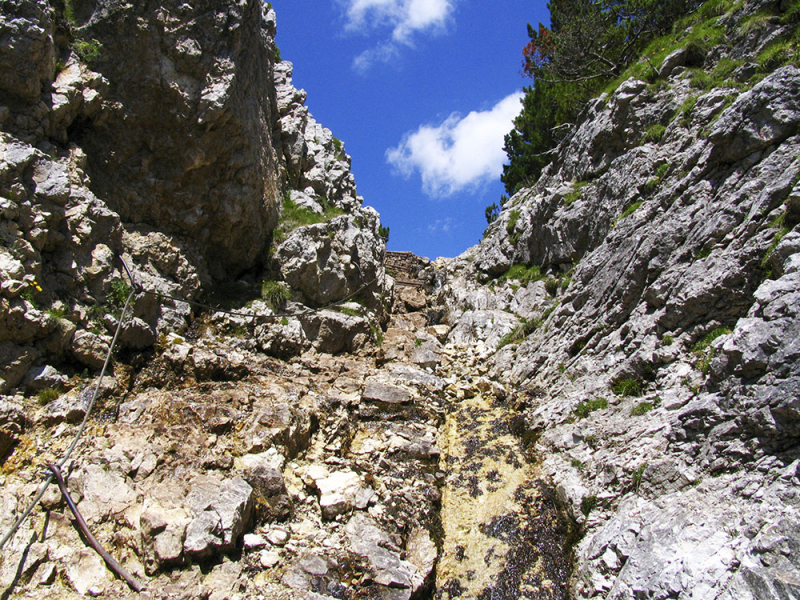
x: 522, y: 273
x: 87, y: 50
x: 383, y: 232
x: 523, y: 330
x: 351, y: 312
x: 777, y: 54
x: 577, y: 464
x: 667, y: 340
x: 491, y: 213
x: 29, y: 295
x: 47, y: 395
x: 339, y: 147
x: 637, y: 475
x: 293, y: 216
x: 654, y: 133
x: 418, y: 342
x: 626, y: 386
x: 284, y: 321
x: 576, y: 193
x: 511, y: 226
x: 56, y: 313
x: 685, y: 111
x: 641, y: 409
x: 629, y: 209
x: 588, y: 406
x: 275, y: 294
x: 779, y: 235
x: 705, y: 342
x: 588, y: 504
x: 119, y: 293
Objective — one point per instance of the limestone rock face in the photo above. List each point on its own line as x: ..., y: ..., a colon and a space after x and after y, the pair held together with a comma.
x: 190, y: 102
x: 654, y: 315
x: 27, y: 64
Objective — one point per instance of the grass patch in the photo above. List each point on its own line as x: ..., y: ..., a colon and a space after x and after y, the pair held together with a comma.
x: 88, y: 50
x: 626, y: 386
x: 777, y: 54
x: 47, y: 395
x: 704, y: 351
x: 654, y: 133
x: 667, y: 340
x: 275, y: 294
x: 629, y: 210
x: 511, y: 227
x: 641, y: 409
x: 577, y: 464
x: 523, y: 330
x: 350, y: 312
x: 522, y: 273
x: 705, y: 342
x: 575, y: 194
x: 119, y: 293
x: 294, y: 216
x: 685, y: 111
x: 783, y: 229
x: 637, y: 475
x: 585, y: 408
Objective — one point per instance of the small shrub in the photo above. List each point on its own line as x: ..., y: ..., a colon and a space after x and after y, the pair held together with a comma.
x: 87, y: 50
x: 275, y: 294
x: 119, y: 293
x: 513, y: 218
x: 418, y: 342
x: 667, y: 340
x: 588, y: 406
x: 56, y: 313
x: 47, y: 395
x: 654, y: 133
x: 577, y: 464
x: 351, y: 312
x: 588, y: 504
x: 551, y: 285
x: 626, y: 387
x: 284, y: 321
x: 384, y: 233
x: 641, y: 409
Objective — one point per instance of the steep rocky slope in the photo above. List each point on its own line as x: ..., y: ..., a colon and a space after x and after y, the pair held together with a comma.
x: 645, y: 293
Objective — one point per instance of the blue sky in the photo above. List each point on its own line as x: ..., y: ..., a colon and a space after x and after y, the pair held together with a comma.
x: 421, y: 92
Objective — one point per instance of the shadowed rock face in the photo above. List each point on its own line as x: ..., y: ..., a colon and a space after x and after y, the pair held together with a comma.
x: 184, y: 141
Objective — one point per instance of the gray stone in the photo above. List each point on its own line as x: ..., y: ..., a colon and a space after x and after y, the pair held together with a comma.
x: 377, y: 391
x: 222, y: 512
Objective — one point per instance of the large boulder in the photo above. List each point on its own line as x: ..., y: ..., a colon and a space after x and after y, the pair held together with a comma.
x: 332, y: 261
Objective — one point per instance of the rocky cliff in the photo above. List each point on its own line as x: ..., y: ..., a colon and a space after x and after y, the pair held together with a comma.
x: 643, y: 297
x: 599, y: 400
x: 170, y: 137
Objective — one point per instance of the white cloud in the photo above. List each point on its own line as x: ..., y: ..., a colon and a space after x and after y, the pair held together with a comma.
x: 405, y: 19
x: 460, y: 153
x: 441, y: 226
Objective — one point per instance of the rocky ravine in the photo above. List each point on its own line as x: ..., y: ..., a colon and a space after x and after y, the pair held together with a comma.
x: 598, y: 401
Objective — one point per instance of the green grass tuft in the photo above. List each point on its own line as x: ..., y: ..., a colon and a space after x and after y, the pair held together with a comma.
x: 626, y: 386
x: 588, y: 406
